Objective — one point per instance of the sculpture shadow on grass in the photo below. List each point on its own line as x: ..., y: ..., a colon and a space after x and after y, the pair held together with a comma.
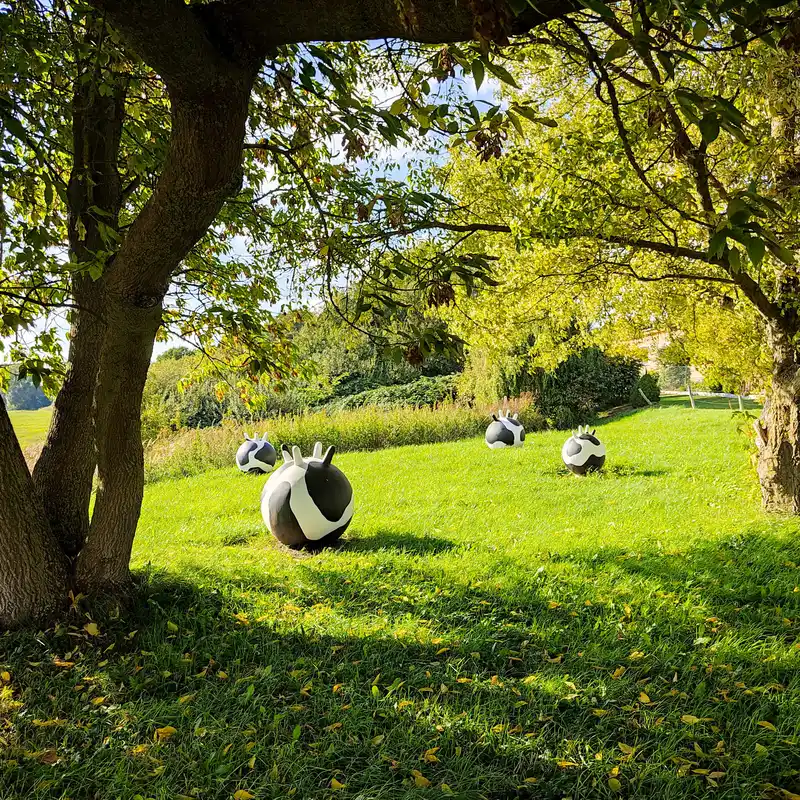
x: 399, y: 541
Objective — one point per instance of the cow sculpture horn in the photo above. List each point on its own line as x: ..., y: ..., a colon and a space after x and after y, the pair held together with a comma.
x: 317, y: 450
x: 297, y: 456
x: 326, y: 461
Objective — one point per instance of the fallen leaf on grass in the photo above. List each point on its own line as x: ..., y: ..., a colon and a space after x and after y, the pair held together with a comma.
x: 626, y: 748
x: 690, y: 719
x: 420, y: 781
x: 618, y: 673
x: 614, y: 785
x: 187, y: 697
x: 768, y: 725
x: 162, y: 734
x: 92, y: 629
x: 336, y: 785
x: 242, y: 794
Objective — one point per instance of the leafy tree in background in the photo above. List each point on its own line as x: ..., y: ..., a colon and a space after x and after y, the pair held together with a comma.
x: 664, y: 153
x: 24, y: 395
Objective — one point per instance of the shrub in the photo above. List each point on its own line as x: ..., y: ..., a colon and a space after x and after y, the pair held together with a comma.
x: 189, y: 452
x: 582, y: 385
x: 648, y: 383
x: 422, y: 392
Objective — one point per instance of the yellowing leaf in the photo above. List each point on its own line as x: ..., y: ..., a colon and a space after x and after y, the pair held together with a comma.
x: 223, y: 676
x: 333, y: 727
x: 172, y: 627
x: 242, y: 794
x: 644, y: 697
x: 6, y: 677
x: 429, y: 756
x: 378, y: 739
x: 252, y: 763
x: 599, y: 712
x: 186, y: 697
x: 768, y: 725
x: 565, y: 764
x: 618, y: 673
x: 98, y: 701
x: 92, y: 629
x: 336, y: 785
x: 164, y: 733
x: 626, y: 748
x: 690, y: 719
x: 420, y: 781
x: 338, y: 688
x: 614, y: 785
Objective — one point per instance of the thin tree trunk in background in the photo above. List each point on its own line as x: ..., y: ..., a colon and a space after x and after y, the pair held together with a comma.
x: 63, y: 473
x: 33, y: 571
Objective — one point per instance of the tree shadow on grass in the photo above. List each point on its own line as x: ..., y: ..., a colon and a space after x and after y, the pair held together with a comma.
x: 387, y: 675
x: 398, y: 541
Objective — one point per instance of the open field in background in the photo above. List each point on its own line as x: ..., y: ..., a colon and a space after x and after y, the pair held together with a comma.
x: 31, y: 426
x: 491, y: 627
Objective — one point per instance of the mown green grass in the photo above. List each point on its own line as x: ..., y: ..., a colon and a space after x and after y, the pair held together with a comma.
x: 490, y: 625
x: 31, y: 426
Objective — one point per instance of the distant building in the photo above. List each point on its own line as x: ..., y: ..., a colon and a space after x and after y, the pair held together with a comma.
x: 652, y: 344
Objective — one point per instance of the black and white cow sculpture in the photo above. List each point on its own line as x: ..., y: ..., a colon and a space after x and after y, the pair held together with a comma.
x: 583, y: 452
x: 505, y: 431
x: 307, y: 503
x: 256, y: 454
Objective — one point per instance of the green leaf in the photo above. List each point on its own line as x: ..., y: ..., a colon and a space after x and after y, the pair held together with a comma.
x: 756, y: 249
x: 515, y: 122
x: 530, y: 114
x: 617, y: 50
x: 14, y: 127
x: 717, y: 243
x: 709, y: 127
x: 599, y: 8
x: 478, y: 73
x: 501, y: 73
x: 700, y: 30
x: 666, y: 62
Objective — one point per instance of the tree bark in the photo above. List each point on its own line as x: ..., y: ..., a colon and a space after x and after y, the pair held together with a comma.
x: 779, y: 429
x: 33, y: 573
x: 202, y: 168
x: 97, y: 121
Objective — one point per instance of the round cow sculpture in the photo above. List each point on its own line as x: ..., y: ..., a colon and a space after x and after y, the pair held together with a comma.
x: 307, y: 503
x: 256, y: 455
x: 583, y: 452
x: 505, y: 431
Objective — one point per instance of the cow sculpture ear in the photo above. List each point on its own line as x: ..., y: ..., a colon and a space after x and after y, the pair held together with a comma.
x: 329, y: 453
x: 287, y: 456
x: 297, y: 457
x: 317, y: 450
x: 516, y: 416
x: 594, y: 430
x: 494, y: 417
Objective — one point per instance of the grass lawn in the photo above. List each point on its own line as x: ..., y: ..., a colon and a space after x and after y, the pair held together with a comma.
x: 491, y: 627
x: 31, y: 426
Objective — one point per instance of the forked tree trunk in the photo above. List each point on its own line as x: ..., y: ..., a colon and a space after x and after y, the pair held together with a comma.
x: 202, y: 169
x: 779, y: 430
x: 33, y: 571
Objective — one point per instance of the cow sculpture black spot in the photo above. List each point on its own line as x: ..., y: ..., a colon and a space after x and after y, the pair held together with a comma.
x: 583, y: 452
x: 307, y: 503
x: 256, y: 454
x: 505, y: 431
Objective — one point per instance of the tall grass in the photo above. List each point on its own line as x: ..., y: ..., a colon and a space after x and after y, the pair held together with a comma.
x: 190, y: 452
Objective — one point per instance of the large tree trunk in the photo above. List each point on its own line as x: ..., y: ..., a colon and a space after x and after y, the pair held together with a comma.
x: 33, y: 573
x: 778, y: 431
x: 202, y: 168
x: 63, y: 473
